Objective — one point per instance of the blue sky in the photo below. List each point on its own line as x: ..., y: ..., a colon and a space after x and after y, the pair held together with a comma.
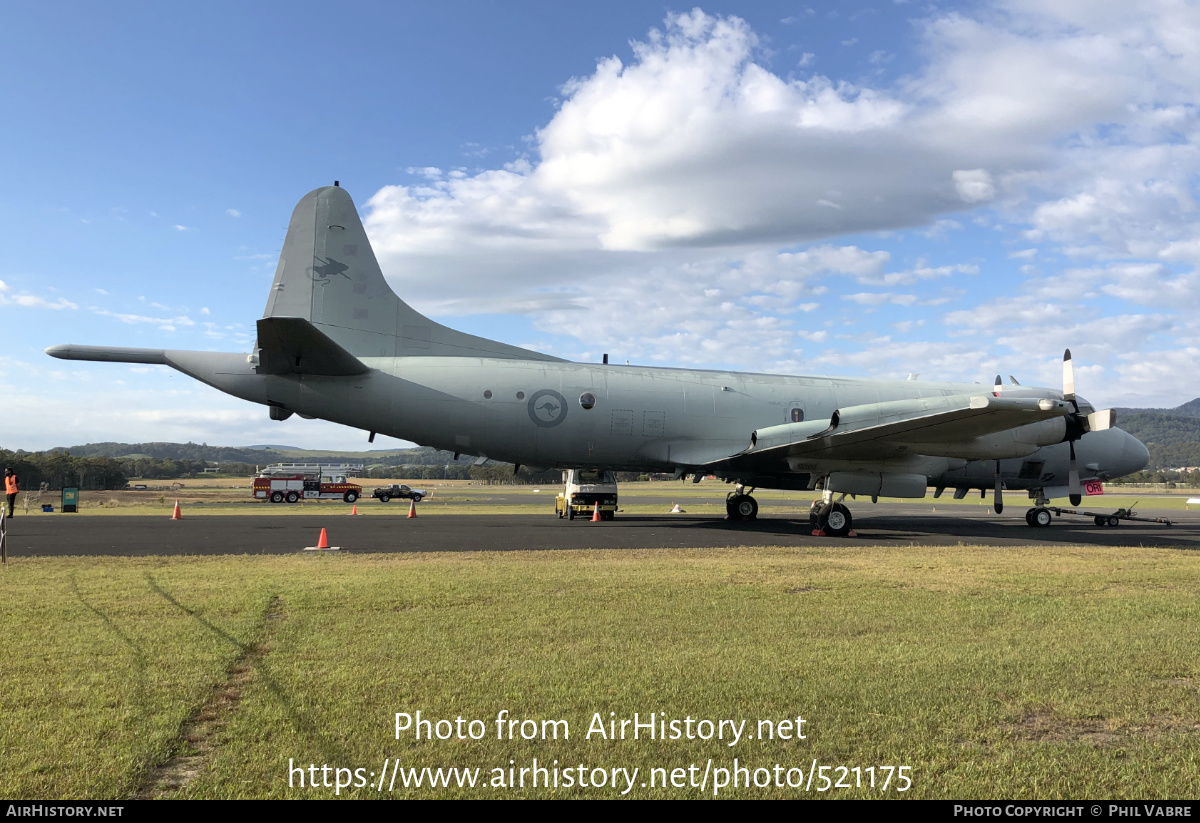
x: 954, y: 190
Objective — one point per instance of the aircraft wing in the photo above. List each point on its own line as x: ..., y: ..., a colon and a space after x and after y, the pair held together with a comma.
x: 879, y: 431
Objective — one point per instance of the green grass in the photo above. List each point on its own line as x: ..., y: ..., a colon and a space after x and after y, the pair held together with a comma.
x: 991, y: 672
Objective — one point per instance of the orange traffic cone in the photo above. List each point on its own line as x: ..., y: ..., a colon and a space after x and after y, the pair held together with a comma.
x: 177, y: 514
x: 596, y: 513
x: 322, y: 545
x: 354, y: 511
x: 412, y: 509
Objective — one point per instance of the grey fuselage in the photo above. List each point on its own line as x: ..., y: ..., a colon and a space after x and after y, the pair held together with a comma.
x: 643, y: 418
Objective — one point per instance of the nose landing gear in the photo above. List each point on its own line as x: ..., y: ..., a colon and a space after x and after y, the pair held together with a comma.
x: 1039, y: 517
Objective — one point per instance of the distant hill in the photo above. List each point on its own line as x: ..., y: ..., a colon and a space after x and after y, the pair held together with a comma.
x: 1171, y: 435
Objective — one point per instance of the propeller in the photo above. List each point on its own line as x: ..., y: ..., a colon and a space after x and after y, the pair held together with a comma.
x: 1079, y: 424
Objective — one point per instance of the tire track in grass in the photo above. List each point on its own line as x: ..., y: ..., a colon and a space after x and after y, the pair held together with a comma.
x: 199, y: 732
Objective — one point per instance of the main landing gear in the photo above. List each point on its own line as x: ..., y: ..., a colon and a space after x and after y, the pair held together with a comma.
x: 739, y: 505
x: 830, y: 519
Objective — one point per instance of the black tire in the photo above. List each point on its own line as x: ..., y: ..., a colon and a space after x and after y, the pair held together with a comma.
x: 416, y: 498
x: 570, y: 513
x: 1029, y: 517
x: 350, y: 497
x: 1041, y: 518
x: 1113, y: 522
x: 383, y: 498
x: 276, y: 497
x: 293, y: 497
x: 835, y: 520
x: 747, y: 507
x: 1098, y: 520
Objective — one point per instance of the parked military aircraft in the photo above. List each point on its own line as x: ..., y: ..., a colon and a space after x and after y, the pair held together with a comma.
x: 336, y: 343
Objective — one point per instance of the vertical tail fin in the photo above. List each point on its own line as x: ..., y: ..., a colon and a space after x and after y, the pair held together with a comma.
x: 328, y: 275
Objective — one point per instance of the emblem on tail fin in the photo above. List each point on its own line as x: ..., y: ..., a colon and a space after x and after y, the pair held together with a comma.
x: 323, y: 270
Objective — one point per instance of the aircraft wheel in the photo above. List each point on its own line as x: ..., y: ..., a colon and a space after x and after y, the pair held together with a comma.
x: 276, y: 497
x: 1098, y: 520
x: 1113, y: 522
x: 835, y: 521
x: 292, y: 497
x: 383, y: 498
x: 1029, y: 517
x: 1041, y: 518
x: 746, y: 507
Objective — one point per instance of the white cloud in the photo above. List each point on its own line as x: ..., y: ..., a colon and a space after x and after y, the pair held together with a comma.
x: 974, y: 185
x: 163, y: 323
x: 32, y: 301
x: 233, y: 212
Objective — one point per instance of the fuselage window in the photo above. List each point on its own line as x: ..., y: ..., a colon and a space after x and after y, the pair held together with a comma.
x: 587, y: 400
x: 797, y: 415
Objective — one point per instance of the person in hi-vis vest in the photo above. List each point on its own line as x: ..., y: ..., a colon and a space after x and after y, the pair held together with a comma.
x: 10, y: 489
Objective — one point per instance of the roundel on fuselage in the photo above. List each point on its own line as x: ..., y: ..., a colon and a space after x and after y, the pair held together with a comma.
x: 547, y: 408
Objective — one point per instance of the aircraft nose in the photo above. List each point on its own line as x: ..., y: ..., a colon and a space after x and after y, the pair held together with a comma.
x: 1134, y: 455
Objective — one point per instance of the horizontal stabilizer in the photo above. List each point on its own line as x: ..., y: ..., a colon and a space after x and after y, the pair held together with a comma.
x: 109, y: 354
x: 292, y: 345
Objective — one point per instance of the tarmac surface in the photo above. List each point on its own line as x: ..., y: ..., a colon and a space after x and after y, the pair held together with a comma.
x: 890, y: 525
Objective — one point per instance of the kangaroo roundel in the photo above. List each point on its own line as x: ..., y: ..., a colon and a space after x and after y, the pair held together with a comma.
x: 547, y: 408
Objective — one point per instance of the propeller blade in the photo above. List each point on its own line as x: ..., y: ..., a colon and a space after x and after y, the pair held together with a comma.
x: 1073, y: 482
x: 1068, y: 377
x: 1101, y: 420
x: 998, y: 500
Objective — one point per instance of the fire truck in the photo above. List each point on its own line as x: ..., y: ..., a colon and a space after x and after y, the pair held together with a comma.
x: 292, y: 482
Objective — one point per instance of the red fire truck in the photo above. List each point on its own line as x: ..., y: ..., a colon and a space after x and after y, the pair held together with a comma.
x: 292, y: 482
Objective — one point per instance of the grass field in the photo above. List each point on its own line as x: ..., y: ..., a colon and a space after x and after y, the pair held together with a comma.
x: 989, y: 672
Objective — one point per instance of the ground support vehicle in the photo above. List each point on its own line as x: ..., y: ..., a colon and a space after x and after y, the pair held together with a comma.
x: 293, y: 482
x: 398, y: 491
x: 582, y: 490
x: 1099, y: 518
